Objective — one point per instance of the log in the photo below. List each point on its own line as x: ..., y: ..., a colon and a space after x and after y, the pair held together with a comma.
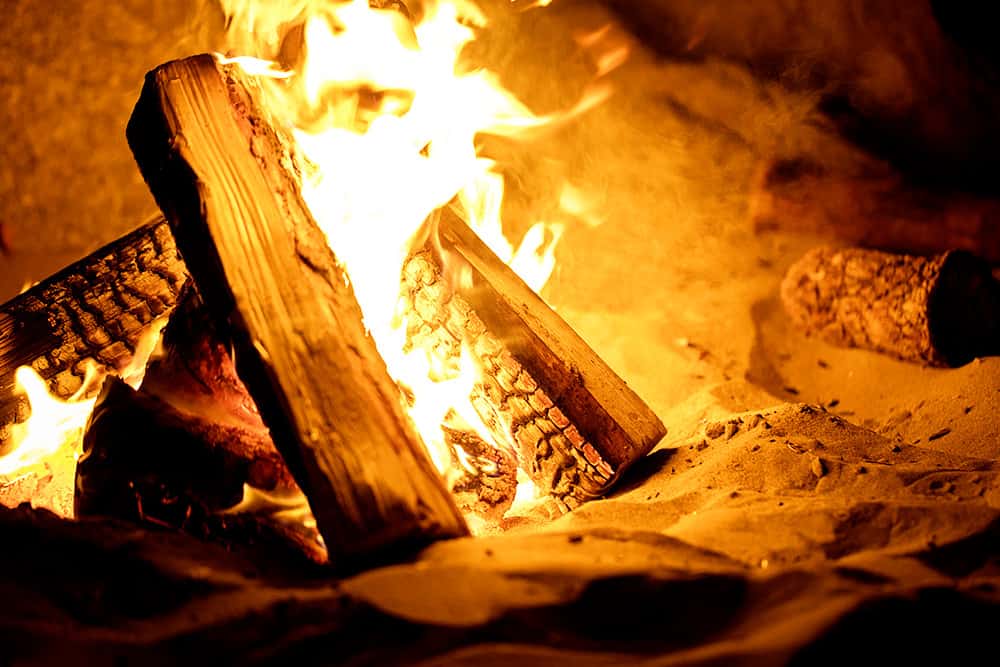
x: 941, y: 311
x: 875, y: 211
x: 96, y: 309
x: 182, y: 449
x: 574, y: 424
x: 224, y: 178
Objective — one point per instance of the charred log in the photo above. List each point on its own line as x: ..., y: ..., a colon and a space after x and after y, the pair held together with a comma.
x: 220, y: 172
x: 94, y: 310
x: 182, y: 449
x: 941, y: 310
x: 486, y: 480
x: 573, y: 423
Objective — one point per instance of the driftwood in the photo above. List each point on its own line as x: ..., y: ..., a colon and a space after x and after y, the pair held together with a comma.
x: 872, y: 211
x: 576, y: 426
x: 96, y: 309
x: 220, y: 173
x: 941, y: 310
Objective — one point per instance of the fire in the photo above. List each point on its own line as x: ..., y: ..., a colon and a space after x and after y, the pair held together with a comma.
x: 48, y: 444
x: 387, y: 115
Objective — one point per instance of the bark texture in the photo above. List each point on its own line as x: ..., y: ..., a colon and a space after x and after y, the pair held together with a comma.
x: 572, y: 423
x: 941, y: 310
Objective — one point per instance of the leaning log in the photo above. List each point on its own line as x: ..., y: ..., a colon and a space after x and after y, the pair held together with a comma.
x: 875, y: 210
x: 94, y: 310
x: 942, y: 310
x: 222, y: 175
x: 574, y: 424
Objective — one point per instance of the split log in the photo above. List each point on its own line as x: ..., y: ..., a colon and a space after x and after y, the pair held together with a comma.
x: 224, y: 178
x: 942, y: 310
x: 96, y: 309
x: 875, y: 211
x: 574, y: 424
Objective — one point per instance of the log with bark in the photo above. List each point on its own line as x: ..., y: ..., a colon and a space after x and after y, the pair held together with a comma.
x: 574, y: 425
x: 182, y: 450
x: 941, y: 310
x: 224, y: 177
x: 94, y: 310
x: 872, y: 210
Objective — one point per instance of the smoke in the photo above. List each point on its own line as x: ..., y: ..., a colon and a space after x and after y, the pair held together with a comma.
x: 885, y: 72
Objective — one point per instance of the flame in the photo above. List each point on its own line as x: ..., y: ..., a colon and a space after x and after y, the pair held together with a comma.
x: 387, y: 116
x: 50, y: 441
x: 291, y: 506
x: 54, y: 424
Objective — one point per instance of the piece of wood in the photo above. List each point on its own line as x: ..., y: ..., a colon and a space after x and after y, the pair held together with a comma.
x: 182, y: 449
x: 574, y: 424
x: 96, y: 309
x: 147, y: 462
x: 875, y: 211
x: 194, y: 378
x: 941, y: 310
x: 224, y: 179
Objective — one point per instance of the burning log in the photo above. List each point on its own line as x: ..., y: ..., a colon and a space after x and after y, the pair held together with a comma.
x: 941, y: 310
x: 576, y: 425
x: 221, y: 174
x: 874, y: 211
x: 148, y: 461
x: 181, y: 450
x: 94, y: 310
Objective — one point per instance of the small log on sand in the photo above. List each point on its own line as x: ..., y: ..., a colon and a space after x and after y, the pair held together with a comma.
x: 573, y: 423
x: 942, y: 310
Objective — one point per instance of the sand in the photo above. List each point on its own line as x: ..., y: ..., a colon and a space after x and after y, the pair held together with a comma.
x: 809, y: 504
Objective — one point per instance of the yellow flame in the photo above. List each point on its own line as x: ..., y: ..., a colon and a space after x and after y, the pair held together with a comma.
x: 387, y: 115
x: 51, y: 440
